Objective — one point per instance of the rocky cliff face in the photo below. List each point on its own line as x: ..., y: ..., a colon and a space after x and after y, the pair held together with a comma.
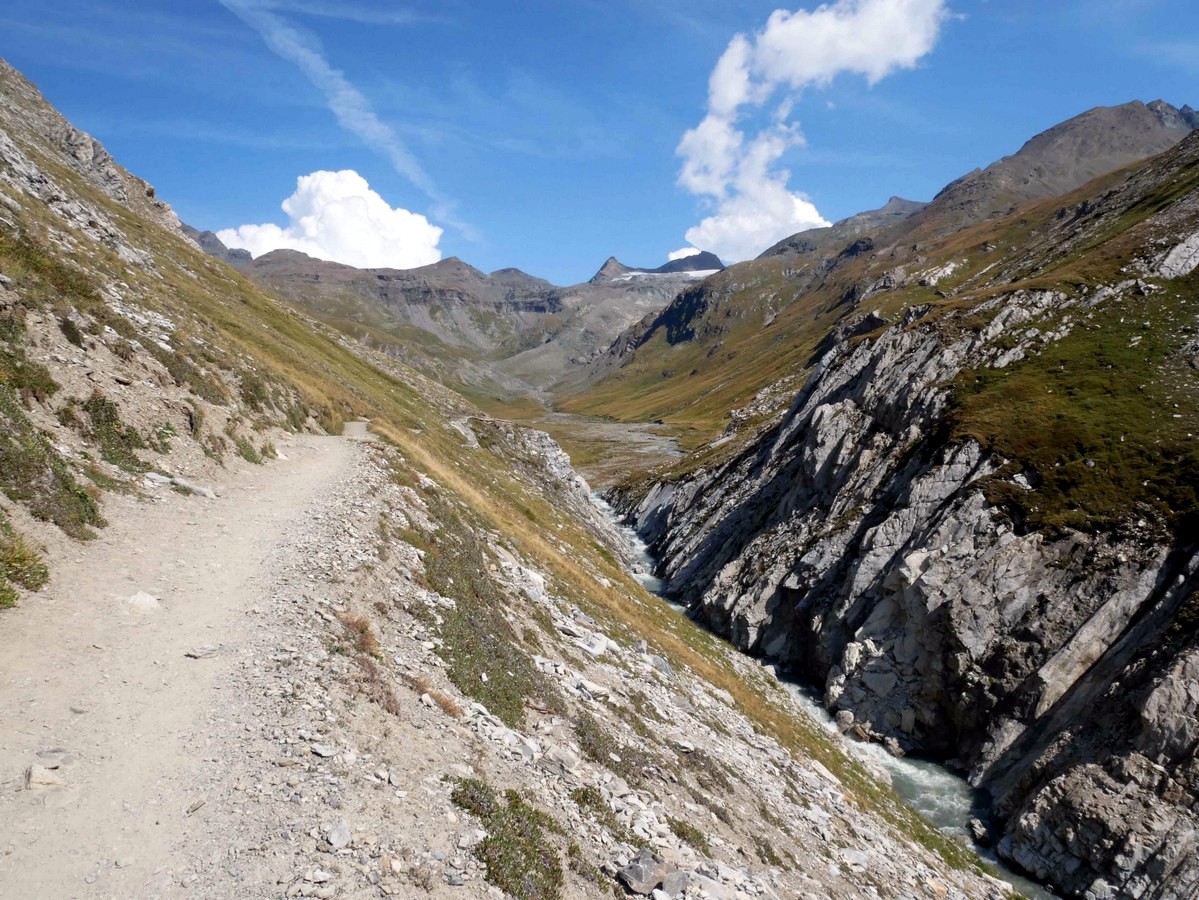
x: 961, y: 594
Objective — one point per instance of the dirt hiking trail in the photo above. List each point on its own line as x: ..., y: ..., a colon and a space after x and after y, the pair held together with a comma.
x: 109, y: 675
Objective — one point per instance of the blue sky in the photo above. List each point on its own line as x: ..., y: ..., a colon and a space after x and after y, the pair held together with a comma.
x: 547, y: 136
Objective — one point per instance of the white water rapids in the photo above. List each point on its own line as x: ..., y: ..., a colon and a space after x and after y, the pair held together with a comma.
x: 941, y: 796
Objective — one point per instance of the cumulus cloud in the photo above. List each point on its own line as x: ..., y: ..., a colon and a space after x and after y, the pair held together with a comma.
x: 737, y: 172
x: 683, y: 253
x: 336, y: 216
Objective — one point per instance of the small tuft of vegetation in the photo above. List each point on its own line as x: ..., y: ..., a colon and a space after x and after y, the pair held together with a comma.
x: 589, y: 800
x: 631, y: 763
x: 644, y: 707
x: 517, y: 852
x: 422, y: 685
x: 117, y: 441
x: 160, y: 437
x: 375, y: 683
x: 32, y: 473
x: 31, y: 381
x: 122, y: 349
x: 185, y: 374
x: 71, y: 331
x: 20, y: 564
x: 360, y: 633
x: 689, y: 834
x: 254, y: 392
x: 246, y: 450
x: 580, y: 866
x: 766, y: 852
x: 709, y: 774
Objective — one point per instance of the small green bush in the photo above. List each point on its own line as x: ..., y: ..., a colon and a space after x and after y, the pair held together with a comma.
x: 254, y: 392
x: 246, y: 450
x: 689, y: 834
x: 31, y: 381
x: 517, y: 852
x: 117, y: 441
x: 71, y: 331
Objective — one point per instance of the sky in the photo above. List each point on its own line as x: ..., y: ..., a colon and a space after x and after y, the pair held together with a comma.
x: 551, y: 135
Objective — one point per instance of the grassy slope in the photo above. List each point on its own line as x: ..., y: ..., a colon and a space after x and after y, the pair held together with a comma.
x: 692, y: 385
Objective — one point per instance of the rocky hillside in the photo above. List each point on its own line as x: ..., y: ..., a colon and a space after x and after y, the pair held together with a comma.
x: 740, y: 343
x: 975, y: 526
x: 446, y: 681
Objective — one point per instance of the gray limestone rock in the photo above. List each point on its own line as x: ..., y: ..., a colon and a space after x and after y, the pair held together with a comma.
x: 644, y: 873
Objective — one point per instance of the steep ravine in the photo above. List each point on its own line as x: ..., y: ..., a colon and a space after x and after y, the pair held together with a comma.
x: 856, y: 543
x: 941, y: 796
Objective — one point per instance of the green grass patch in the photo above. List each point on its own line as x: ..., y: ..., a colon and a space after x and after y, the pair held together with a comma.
x: 33, y: 474
x: 41, y: 277
x: 118, y: 442
x: 689, y: 834
x: 20, y: 564
x: 591, y: 802
x: 31, y: 381
x: 766, y: 852
x: 481, y: 647
x: 71, y: 331
x: 708, y: 773
x: 246, y: 450
x: 1103, y: 419
x: 631, y: 763
x: 518, y: 853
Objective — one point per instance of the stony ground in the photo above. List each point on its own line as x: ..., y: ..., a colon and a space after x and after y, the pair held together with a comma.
x: 246, y: 697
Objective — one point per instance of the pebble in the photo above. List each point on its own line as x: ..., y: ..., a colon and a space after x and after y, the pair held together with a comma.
x: 339, y: 835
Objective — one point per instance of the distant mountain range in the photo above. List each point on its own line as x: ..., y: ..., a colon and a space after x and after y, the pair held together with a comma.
x: 502, y: 333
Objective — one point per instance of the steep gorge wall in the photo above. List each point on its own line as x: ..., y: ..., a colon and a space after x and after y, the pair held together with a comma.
x: 855, y: 542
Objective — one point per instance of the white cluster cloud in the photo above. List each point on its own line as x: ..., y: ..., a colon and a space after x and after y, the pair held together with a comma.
x: 753, y: 205
x: 336, y: 216
x: 683, y: 253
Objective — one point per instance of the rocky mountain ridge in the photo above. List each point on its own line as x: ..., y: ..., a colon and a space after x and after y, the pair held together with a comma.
x: 508, y: 333
x: 974, y: 528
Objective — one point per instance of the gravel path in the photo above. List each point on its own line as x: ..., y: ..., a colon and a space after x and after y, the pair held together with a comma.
x: 111, y: 679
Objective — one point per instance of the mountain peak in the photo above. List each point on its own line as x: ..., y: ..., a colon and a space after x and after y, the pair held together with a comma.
x: 1064, y: 157
x: 612, y: 268
x: 699, y: 261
